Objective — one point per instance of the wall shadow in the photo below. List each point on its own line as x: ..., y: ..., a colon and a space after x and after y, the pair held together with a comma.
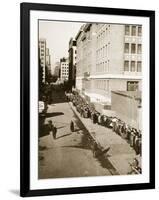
x: 54, y: 114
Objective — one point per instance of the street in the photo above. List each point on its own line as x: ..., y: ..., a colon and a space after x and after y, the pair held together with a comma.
x: 69, y: 155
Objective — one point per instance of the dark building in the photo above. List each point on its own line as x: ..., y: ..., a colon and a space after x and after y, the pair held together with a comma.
x: 72, y: 63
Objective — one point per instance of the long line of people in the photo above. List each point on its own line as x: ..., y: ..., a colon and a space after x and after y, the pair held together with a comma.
x: 86, y: 110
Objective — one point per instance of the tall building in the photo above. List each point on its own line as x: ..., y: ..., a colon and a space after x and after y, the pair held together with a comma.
x: 42, y: 56
x: 57, y: 69
x: 64, y: 69
x: 72, y: 62
x: 109, y: 58
x: 45, y: 59
x: 48, y: 61
x: 85, y: 42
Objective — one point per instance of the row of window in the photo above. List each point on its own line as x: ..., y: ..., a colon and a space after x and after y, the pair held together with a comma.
x: 133, y: 30
x: 104, y: 32
x: 64, y: 75
x: 64, y: 65
x: 42, y: 46
x: 103, y: 52
x: 133, y: 48
x: 64, y: 71
x: 42, y: 42
x: 102, y: 84
x: 132, y: 66
x: 102, y: 67
x: 103, y: 36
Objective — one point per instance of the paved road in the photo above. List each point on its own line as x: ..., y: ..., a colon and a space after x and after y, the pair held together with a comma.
x: 69, y: 155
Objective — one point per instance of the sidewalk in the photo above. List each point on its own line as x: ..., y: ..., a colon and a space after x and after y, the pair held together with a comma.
x: 120, y: 153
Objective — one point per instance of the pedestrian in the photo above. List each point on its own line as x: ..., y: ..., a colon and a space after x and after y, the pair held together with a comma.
x: 52, y: 128
x: 94, y: 118
x: 99, y: 119
x: 72, y: 128
x: 132, y: 137
x: 135, y: 167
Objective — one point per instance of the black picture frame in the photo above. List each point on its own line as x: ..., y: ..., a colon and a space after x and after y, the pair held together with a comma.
x: 25, y: 9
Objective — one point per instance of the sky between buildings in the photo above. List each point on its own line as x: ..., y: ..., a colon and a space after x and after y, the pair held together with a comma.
x: 57, y: 35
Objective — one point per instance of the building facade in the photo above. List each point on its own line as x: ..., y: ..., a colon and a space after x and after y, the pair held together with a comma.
x: 57, y: 69
x: 72, y: 63
x: 42, y: 57
x: 64, y: 69
x: 45, y: 59
x: 109, y: 57
x: 48, y: 61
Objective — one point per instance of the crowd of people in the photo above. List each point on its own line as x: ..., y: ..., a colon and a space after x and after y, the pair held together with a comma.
x: 87, y: 110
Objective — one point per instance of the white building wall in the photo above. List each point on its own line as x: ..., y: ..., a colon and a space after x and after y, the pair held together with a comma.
x: 64, y: 70
x: 42, y: 54
x: 127, y: 109
x: 79, y: 60
x: 102, y: 54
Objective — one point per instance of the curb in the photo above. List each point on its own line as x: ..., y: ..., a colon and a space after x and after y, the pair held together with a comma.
x: 113, y: 170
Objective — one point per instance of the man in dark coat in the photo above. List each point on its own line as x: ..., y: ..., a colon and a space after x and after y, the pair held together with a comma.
x: 52, y: 128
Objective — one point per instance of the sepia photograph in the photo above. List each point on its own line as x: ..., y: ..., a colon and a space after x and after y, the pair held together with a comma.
x: 87, y: 99
x: 90, y: 99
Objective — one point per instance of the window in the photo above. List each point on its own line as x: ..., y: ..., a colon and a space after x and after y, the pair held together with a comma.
x: 133, y: 48
x: 139, y: 49
x: 127, y: 30
x: 139, y: 31
x: 139, y: 66
x: 107, y: 85
x: 126, y: 65
x: 106, y: 50
x: 126, y: 47
x: 103, y: 51
x: 132, y: 85
x: 133, y: 31
x: 132, y: 66
x: 105, y: 66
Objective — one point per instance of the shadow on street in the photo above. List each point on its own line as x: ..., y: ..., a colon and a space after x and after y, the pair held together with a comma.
x: 84, y: 144
x: 63, y: 136
x: 54, y: 114
x: 77, y: 146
